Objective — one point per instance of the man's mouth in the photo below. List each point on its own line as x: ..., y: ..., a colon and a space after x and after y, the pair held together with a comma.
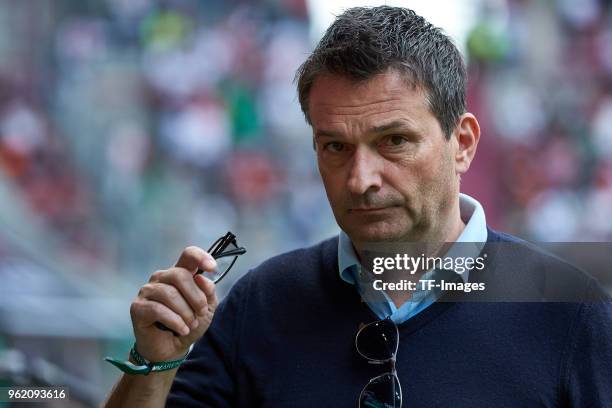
x: 367, y: 209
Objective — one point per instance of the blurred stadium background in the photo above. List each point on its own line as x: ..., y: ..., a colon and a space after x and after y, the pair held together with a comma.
x: 130, y: 129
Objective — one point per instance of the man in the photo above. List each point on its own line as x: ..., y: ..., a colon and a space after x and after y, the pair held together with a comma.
x: 384, y: 92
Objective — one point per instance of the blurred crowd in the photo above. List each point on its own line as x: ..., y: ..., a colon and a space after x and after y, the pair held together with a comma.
x: 130, y: 129
x: 541, y: 85
x: 146, y: 127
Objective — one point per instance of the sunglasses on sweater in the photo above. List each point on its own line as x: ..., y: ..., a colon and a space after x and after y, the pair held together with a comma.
x: 377, y: 342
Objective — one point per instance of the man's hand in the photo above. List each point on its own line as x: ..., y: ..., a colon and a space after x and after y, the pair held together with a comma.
x: 181, y: 301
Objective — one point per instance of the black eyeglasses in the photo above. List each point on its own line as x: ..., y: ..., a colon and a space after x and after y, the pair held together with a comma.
x: 225, y: 250
x: 377, y: 342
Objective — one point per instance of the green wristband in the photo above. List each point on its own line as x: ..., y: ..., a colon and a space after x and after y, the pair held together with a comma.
x: 145, y: 366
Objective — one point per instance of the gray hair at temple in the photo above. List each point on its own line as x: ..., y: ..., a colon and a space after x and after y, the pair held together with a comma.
x: 365, y: 41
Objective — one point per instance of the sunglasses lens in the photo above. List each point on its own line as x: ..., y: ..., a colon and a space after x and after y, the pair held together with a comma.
x: 378, y: 340
x: 382, y: 392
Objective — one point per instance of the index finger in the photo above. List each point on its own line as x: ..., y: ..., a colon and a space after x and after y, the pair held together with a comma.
x: 194, y: 257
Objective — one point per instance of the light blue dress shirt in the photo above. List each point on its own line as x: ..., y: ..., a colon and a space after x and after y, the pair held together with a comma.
x: 473, y: 239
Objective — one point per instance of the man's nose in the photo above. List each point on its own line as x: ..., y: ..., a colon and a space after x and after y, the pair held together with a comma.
x: 365, y: 171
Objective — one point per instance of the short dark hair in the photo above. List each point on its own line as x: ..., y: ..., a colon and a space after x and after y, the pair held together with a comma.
x: 365, y: 41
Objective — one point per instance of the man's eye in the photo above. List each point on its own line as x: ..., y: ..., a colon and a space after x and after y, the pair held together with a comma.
x: 334, y: 146
x: 396, y: 140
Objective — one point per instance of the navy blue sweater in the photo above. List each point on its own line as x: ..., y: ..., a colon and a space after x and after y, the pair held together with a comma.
x: 284, y: 337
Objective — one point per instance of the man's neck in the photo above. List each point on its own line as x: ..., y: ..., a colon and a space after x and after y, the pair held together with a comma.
x: 436, y: 244
x: 430, y: 243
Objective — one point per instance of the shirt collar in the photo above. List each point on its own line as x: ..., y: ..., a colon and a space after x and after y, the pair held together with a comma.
x: 475, y: 232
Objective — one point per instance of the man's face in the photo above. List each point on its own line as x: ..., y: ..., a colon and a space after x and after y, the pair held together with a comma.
x: 388, y: 170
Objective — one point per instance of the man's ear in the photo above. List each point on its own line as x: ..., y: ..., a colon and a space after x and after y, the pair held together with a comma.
x: 467, y: 135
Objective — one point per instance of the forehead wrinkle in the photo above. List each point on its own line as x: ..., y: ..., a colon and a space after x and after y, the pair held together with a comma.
x: 369, y: 121
x: 401, y: 123
x: 350, y: 111
x: 386, y: 100
x: 390, y: 86
x: 407, y: 105
x: 366, y: 109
